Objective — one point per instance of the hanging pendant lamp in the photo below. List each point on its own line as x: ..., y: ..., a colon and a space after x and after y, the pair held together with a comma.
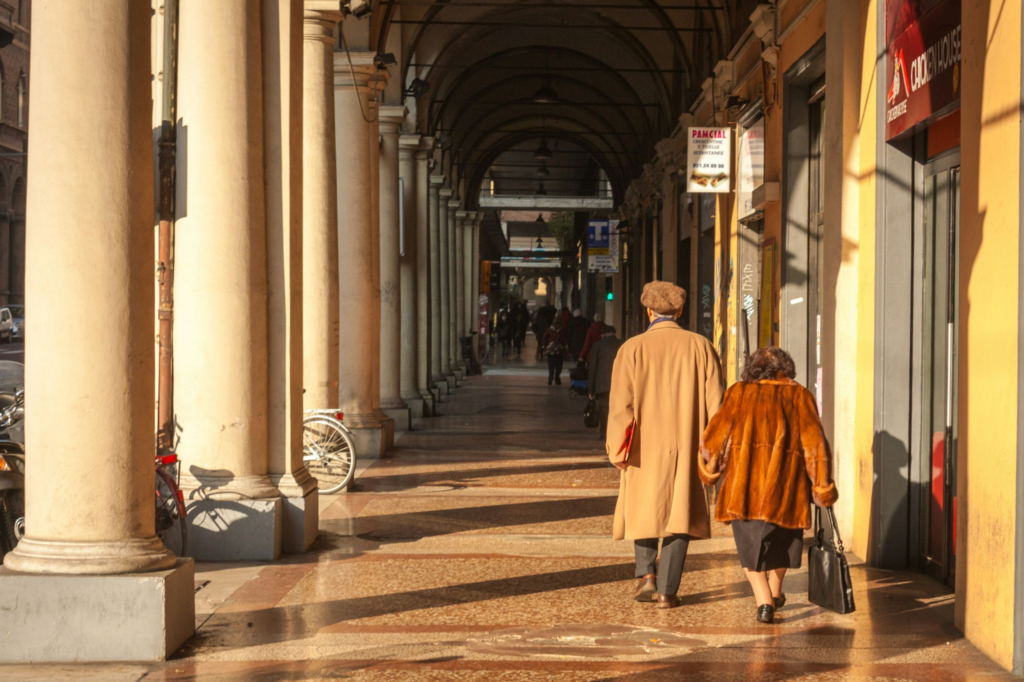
x: 542, y: 152
x: 545, y: 94
x: 541, y: 192
x: 543, y: 171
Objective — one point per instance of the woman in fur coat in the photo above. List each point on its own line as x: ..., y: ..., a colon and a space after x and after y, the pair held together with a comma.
x: 768, y: 441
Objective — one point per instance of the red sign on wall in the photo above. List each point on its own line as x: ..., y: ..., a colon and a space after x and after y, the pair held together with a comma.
x: 923, y: 70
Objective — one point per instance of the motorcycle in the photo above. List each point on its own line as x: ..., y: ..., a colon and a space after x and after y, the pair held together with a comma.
x: 12, y: 455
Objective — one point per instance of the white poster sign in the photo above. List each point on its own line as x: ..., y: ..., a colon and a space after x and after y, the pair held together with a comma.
x: 751, y: 164
x: 709, y: 160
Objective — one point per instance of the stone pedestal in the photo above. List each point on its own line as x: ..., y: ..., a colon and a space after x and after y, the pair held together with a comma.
x: 235, y: 530
x: 96, y: 618
x: 370, y: 442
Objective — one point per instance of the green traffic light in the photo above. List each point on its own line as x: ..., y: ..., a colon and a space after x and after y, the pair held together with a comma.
x: 611, y: 296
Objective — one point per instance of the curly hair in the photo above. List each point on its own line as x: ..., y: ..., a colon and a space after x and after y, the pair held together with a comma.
x: 769, y: 362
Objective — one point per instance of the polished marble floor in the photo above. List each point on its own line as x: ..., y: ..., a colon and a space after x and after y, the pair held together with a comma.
x: 481, y: 550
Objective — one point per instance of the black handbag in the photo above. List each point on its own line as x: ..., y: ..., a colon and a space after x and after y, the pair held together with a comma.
x: 828, y: 580
x: 590, y: 417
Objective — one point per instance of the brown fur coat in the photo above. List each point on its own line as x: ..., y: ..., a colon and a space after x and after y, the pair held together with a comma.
x: 767, y: 439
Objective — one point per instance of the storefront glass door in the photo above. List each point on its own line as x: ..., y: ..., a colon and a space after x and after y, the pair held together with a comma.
x: 939, y: 366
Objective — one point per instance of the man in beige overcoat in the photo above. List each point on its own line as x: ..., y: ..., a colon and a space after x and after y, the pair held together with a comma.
x: 669, y: 381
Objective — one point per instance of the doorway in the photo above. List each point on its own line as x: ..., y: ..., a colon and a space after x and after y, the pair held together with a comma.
x: 940, y: 317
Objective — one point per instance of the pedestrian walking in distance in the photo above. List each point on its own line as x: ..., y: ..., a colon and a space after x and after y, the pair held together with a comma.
x: 577, y: 331
x: 555, y: 347
x: 666, y: 385
x: 599, y: 379
x: 768, y: 442
x: 593, y: 336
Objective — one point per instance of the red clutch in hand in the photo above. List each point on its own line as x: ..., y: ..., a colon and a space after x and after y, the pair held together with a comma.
x: 627, y: 444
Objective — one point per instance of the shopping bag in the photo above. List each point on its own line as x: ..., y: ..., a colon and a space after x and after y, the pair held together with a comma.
x: 591, y: 419
x: 828, y: 580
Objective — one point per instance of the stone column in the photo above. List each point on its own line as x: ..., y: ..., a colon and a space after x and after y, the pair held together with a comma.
x: 380, y: 78
x: 434, y: 223
x: 91, y: 433
x: 424, y: 381
x: 282, y: 24
x: 220, y: 328
x: 443, y: 285
x: 391, y: 119
x: 475, y: 255
x: 460, y: 289
x: 319, y: 212
x: 355, y: 88
x: 467, y: 274
x: 452, y: 272
x: 408, y: 146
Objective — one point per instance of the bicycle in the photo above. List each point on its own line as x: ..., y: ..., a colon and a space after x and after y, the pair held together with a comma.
x: 328, y: 450
x: 171, y: 516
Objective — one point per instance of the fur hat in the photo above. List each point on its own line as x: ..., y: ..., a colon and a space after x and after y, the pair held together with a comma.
x: 663, y: 298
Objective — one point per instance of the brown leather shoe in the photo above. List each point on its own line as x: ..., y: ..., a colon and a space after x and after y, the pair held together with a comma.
x: 646, y: 588
x: 667, y: 601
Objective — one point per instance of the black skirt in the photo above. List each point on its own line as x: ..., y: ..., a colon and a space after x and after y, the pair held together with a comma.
x: 763, y: 546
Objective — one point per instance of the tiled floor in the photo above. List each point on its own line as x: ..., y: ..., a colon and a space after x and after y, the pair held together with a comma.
x: 481, y: 551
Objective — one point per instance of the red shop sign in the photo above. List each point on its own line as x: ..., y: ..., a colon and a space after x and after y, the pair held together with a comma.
x: 923, y: 68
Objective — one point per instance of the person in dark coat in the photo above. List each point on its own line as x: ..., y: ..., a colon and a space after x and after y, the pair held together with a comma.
x: 599, y: 381
x: 593, y: 336
x: 520, y: 323
x: 555, y: 349
x: 564, y: 316
x: 542, y: 319
x: 504, y: 331
x: 577, y: 331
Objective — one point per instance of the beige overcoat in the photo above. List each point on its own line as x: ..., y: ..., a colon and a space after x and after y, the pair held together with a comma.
x: 670, y: 381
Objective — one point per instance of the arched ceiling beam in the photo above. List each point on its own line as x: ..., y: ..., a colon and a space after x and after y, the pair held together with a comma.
x: 449, y: 94
x: 622, y: 152
x: 478, y: 168
x: 477, y: 99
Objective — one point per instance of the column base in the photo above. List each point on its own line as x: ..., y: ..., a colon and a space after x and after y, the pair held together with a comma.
x: 370, y: 441
x: 416, y: 408
x: 459, y: 373
x: 401, y: 417
x: 453, y: 383
x: 96, y: 618
x: 442, y: 387
x: 429, y: 402
x: 301, y: 511
x: 235, y: 529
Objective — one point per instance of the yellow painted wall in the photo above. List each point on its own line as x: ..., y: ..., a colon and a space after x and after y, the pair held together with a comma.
x: 990, y: 196
x: 863, y: 417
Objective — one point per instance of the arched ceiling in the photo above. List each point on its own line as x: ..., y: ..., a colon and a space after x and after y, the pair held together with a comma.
x: 623, y: 71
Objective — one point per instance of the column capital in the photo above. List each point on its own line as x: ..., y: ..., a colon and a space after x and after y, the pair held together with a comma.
x: 462, y: 215
x: 391, y: 119
x: 446, y: 192
x: 437, y: 180
x: 454, y: 202
x: 362, y: 73
x: 409, y: 142
x: 480, y: 215
x: 319, y: 18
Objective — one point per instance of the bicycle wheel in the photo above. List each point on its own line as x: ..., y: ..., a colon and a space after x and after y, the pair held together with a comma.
x: 328, y: 452
x: 171, y: 519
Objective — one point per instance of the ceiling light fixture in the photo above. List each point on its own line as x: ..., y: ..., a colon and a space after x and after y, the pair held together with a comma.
x: 540, y: 218
x: 543, y: 171
x: 546, y: 94
x: 541, y: 192
x: 542, y: 152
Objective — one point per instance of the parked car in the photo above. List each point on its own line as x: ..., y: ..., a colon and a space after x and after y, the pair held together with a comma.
x: 6, y: 325
x: 18, y: 313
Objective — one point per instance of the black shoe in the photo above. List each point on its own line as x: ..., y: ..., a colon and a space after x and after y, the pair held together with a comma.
x: 765, y: 613
x: 549, y: 382
x: 558, y: 381
x: 780, y: 601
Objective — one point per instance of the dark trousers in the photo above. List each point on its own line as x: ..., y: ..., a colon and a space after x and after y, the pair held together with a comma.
x: 554, y: 369
x: 602, y: 413
x: 673, y: 559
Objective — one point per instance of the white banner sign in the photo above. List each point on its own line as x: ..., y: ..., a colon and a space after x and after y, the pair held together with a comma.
x: 709, y: 160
